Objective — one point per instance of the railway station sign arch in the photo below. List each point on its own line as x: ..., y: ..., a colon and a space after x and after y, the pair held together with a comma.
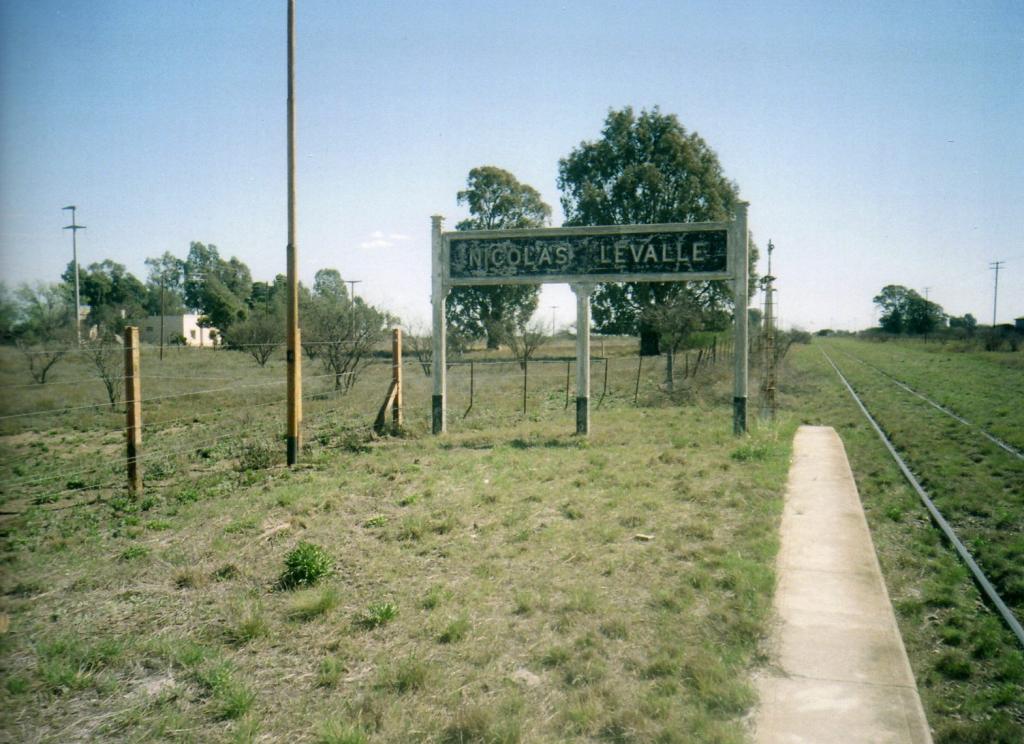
x: 583, y: 257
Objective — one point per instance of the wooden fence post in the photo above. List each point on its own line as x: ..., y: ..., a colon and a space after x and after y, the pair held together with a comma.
x: 639, y: 366
x: 133, y: 407
x: 526, y: 364
x: 568, y: 367
x: 396, y: 376
x: 472, y: 377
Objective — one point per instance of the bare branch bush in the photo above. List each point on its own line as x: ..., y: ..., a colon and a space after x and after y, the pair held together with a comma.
x: 421, y: 344
x: 107, y: 355
x: 41, y: 358
x: 260, y: 335
x: 44, y: 332
x: 525, y: 344
x: 344, y: 338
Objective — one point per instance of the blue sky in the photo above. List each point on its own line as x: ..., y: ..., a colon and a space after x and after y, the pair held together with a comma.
x: 878, y: 143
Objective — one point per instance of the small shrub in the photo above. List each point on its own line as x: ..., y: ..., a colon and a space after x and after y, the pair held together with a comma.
x: 134, y: 551
x: 187, y: 496
x: 305, y: 565
x: 258, y: 455
x: 377, y: 614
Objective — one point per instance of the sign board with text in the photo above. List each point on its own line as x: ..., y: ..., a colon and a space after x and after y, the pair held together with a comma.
x: 619, y: 253
x: 584, y: 257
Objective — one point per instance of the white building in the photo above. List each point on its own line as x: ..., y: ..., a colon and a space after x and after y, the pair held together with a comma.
x: 177, y: 327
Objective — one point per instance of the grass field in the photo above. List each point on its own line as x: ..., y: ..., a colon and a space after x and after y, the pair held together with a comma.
x: 509, y: 582
x: 985, y: 388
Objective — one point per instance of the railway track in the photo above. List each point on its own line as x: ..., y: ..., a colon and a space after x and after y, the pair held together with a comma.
x: 986, y: 586
x: 938, y: 406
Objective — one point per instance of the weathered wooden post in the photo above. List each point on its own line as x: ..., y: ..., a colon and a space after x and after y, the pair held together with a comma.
x: 583, y: 292
x: 568, y: 370
x: 740, y: 272
x: 293, y: 352
x: 396, y: 376
x: 639, y: 366
x: 133, y: 407
x: 526, y: 366
x: 439, y: 292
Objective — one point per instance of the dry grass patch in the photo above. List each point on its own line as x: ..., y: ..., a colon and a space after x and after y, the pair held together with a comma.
x: 487, y: 586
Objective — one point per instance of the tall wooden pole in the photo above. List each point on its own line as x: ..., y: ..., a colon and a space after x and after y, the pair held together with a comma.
x: 738, y: 242
x: 294, y: 352
x: 133, y: 407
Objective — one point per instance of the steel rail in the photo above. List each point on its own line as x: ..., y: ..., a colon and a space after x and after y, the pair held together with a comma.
x: 949, y: 412
x: 979, y: 576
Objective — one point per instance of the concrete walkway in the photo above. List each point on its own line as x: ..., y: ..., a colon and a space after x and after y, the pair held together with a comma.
x: 839, y: 672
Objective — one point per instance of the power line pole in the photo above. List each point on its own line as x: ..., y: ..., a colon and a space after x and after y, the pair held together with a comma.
x: 995, y: 265
x: 74, y: 227
x: 926, y: 291
x: 352, y: 301
x: 294, y: 352
x: 553, y: 308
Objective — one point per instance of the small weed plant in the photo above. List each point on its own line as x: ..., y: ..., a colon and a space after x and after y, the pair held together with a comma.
x: 377, y: 614
x: 305, y: 565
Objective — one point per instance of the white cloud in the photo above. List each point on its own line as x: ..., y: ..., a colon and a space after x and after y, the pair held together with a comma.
x: 377, y: 239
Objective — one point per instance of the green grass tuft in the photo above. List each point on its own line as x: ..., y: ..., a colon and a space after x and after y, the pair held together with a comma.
x: 305, y: 565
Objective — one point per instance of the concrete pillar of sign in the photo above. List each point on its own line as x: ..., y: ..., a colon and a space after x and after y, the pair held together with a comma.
x: 439, y: 292
x: 583, y: 292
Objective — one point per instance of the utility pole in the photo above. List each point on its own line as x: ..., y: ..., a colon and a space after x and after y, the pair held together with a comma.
x: 553, y: 308
x: 995, y: 265
x: 352, y: 300
x: 294, y: 352
x: 768, y: 381
x: 74, y: 227
x: 926, y: 291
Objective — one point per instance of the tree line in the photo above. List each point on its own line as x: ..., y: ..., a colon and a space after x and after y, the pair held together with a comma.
x: 644, y: 168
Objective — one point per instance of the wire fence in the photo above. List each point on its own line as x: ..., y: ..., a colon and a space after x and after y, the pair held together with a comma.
x: 206, y: 411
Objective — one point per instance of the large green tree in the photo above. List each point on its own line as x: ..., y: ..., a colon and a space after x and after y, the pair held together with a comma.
x: 905, y: 311
x: 648, y: 169
x: 112, y: 293
x: 165, y: 285
x: 218, y: 289
x: 496, y: 201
